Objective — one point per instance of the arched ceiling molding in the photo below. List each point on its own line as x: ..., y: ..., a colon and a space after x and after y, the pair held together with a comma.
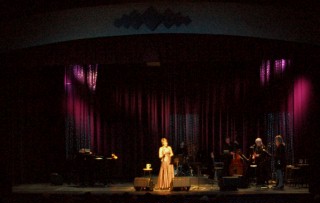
x: 216, y: 18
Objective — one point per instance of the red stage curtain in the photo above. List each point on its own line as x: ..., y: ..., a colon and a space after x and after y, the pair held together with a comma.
x: 133, y: 106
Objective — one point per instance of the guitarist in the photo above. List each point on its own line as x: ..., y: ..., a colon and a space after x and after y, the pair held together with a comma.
x: 260, y: 157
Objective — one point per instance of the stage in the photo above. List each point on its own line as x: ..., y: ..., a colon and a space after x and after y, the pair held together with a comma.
x: 200, y: 191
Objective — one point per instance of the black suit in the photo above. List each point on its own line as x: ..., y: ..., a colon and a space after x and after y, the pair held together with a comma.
x: 262, y: 162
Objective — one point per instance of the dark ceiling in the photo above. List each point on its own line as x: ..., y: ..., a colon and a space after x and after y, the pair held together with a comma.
x: 11, y: 9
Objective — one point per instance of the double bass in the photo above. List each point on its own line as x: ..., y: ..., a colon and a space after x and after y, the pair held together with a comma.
x: 236, y: 165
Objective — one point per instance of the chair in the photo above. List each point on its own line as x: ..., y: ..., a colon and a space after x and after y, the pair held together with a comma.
x: 218, y: 167
x: 289, y: 178
x: 302, y: 175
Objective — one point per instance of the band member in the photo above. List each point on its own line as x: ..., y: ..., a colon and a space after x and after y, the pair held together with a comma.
x: 260, y: 157
x: 181, y: 161
x: 280, y: 162
x: 166, y: 172
x: 84, y: 161
x: 183, y: 151
x: 227, y: 155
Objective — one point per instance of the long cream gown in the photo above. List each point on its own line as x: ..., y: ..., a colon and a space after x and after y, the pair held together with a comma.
x: 166, y: 172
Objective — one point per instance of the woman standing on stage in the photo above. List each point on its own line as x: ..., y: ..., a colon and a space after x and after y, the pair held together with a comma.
x: 280, y: 162
x: 166, y: 172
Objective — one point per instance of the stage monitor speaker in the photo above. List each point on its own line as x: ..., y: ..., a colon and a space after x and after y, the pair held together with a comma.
x: 181, y: 183
x: 229, y: 183
x: 142, y: 183
x: 243, y: 181
x: 56, y: 179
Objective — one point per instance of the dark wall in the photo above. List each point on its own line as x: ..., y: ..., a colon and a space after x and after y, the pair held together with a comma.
x: 312, y: 131
x: 32, y: 130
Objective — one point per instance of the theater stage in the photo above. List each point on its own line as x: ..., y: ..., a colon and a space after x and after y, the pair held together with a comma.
x: 209, y: 191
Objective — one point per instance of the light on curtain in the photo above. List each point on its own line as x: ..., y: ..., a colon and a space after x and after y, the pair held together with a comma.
x: 81, y: 118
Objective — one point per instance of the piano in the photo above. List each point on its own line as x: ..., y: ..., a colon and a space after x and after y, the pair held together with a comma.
x: 94, y: 169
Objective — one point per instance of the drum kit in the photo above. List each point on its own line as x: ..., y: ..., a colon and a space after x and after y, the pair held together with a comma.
x: 182, y: 166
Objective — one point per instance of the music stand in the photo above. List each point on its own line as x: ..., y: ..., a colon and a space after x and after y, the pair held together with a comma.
x: 254, y: 167
x: 197, y: 165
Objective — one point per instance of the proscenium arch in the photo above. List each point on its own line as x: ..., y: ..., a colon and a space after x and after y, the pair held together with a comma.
x: 213, y: 18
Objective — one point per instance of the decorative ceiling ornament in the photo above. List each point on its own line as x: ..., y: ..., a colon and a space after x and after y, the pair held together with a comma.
x: 152, y: 19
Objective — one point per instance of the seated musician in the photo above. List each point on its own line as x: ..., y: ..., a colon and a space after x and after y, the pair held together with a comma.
x: 181, y: 158
x: 260, y: 157
x: 84, y: 162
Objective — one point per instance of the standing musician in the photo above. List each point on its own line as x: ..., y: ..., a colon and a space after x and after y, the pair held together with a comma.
x: 260, y: 156
x: 237, y: 166
x: 279, y: 161
x: 227, y: 155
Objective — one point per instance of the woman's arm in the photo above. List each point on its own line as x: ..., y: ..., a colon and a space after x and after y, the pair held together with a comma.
x: 171, y: 152
x: 160, y: 153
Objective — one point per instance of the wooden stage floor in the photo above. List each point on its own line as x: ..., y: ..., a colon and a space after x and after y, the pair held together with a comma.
x: 210, y: 192
x: 120, y: 188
